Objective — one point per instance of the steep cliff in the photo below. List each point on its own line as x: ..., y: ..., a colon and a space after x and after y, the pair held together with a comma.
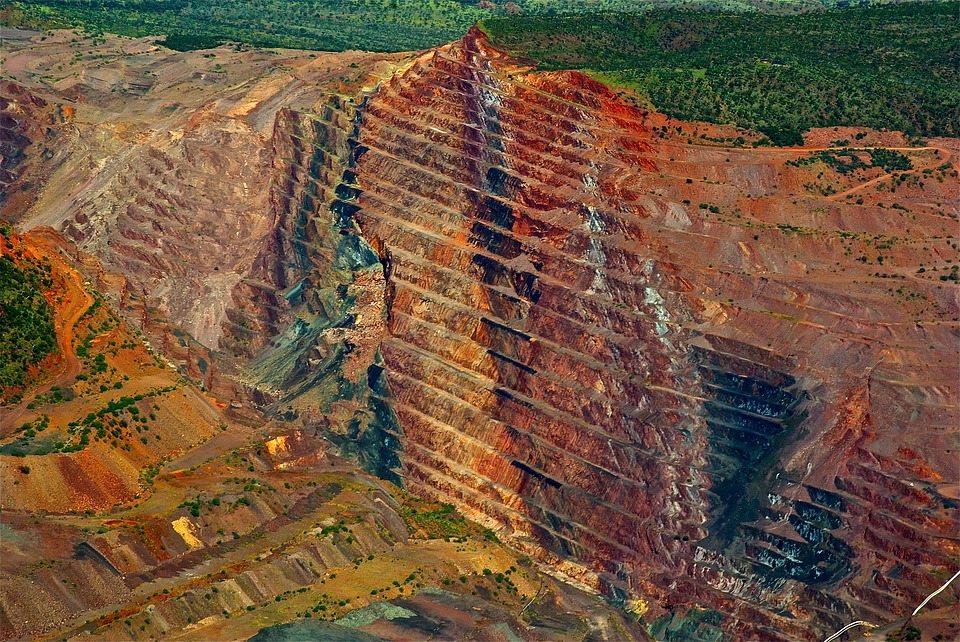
x: 162, y: 163
x: 714, y: 381
x: 307, y: 330
x: 743, y: 403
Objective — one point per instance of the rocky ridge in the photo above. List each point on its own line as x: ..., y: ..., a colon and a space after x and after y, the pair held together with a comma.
x: 727, y: 411
x: 711, y: 381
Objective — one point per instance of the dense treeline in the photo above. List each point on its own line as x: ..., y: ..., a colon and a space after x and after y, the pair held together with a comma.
x: 333, y: 25
x: 889, y: 66
x: 894, y: 66
x: 26, y: 322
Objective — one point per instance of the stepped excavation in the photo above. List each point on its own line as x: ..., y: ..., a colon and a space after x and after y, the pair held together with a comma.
x: 713, y: 384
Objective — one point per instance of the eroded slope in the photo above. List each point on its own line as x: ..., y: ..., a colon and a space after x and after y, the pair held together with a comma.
x: 99, y: 410
x: 696, y: 374
x: 232, y: 540
x: 162, y: 162
x: 716, y: 383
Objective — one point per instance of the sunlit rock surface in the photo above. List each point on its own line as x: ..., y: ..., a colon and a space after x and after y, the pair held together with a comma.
x: 715, y: 382
x: 710, y: 405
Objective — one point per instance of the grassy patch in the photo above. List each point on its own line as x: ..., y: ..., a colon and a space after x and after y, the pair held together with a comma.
x: 431, y: 520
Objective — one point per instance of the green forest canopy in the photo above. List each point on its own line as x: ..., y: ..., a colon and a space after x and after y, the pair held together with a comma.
x: 26, y: 322
x: 333, y: 25
x: 893, y: 66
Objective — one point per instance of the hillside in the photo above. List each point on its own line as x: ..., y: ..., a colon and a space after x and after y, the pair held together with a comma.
x: 326, y: 25
x: 700, y: 386
x: 133, y: 505
x: 26, y: 322
x: 232, y: 540
x: 885, y: 67
x: 97, y: 412
x: 714, y: 377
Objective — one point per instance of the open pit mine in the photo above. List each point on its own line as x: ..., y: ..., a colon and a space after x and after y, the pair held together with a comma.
x: 439, y: 344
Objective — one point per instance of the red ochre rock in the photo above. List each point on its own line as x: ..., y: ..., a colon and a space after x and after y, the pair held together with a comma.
x: 695, y: 405
x: 706, y: 380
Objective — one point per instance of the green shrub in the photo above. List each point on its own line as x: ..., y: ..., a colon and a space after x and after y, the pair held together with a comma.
x: 778, y: 74
x: 26, y: 321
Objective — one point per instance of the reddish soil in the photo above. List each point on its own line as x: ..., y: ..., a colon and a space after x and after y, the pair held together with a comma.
x: 716, y: 383
x: 679, y: 369
x: 107, y: 471
x: 68, y: 299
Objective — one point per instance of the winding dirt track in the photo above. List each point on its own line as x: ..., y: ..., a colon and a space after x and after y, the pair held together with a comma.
x: 939, y: 161
x: 42, y: 242
x: 947, y: 157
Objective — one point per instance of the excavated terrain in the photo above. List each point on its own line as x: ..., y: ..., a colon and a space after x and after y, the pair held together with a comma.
x: 713, y: 382
x: 134, y: 507
x: 158, y: 162
x: 705, y: 377
x: 233, y: 540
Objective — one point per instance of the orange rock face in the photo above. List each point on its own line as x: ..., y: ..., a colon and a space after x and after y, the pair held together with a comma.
x: 716, y: 382
x: 681, y: 372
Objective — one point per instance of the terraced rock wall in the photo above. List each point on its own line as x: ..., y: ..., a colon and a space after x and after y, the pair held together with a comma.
x: 567, y: 361
x: 122, y: 560
x: 710, y: 380
x: 161, y: 163
x: 308, y: 325
x: 28, y: 127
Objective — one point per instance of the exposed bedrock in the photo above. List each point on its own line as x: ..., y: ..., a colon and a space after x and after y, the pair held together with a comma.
x: 162, y: 163
x: 563, y: 368
x: 308, y: 324
x: 676, y: 371
x: 29, y: 148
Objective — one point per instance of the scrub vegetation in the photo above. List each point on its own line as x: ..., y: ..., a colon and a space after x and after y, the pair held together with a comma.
x: 331, y: 25
x: 26, y: 321
x: 888, y: 66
